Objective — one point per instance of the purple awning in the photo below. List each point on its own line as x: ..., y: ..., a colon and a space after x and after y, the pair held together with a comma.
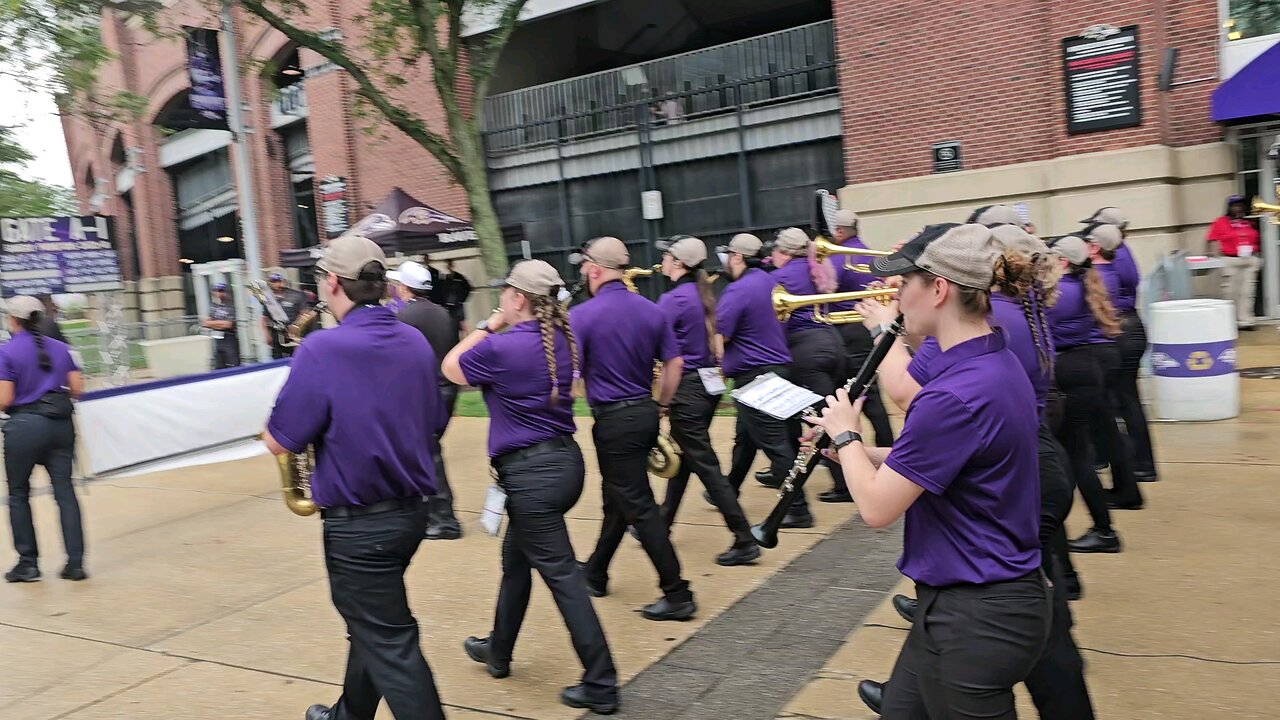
x: 1252, y: 92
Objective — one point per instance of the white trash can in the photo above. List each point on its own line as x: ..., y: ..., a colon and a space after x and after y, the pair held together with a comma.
x: 1193, y: 359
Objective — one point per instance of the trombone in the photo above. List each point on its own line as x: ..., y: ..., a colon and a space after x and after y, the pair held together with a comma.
x: 1260, y: 208
x: 785, y: 303
x: 823, y: 248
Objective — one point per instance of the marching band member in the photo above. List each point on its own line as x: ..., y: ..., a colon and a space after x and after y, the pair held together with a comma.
x: 690, y: 309
x: 1082, y: 317
x: 38, y: 380
x: 620, y: 334
x: 960, y: 472
x: 539, y: 465
x: 372, y: 469
x: 755, y: 344
x: 1120, y: 274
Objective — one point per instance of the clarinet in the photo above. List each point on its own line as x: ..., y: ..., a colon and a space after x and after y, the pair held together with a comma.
x: 766, y: 533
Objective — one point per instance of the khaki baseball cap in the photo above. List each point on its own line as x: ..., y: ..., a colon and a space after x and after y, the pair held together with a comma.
x: 1108, y: 216
x: 1074, y: 248
x: 1108, y: 237
x: 23, y: 306
x: 346, y: 255
x: 743, y: 244
x: 846, y: 218
x: 1014, y: 239
x: 995, y: 215
x: 962, y: 254
x: 792, y: 241
x: 535, y: 277
x: 607, y: 252
x: 687, y: 249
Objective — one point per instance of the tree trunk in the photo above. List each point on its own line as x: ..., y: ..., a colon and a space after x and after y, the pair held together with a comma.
x: 484, y: 218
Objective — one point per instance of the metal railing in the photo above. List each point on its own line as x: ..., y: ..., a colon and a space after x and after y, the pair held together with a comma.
x: 768, y: 68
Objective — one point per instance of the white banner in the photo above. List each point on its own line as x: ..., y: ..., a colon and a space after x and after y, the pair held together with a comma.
x: 123, y: 427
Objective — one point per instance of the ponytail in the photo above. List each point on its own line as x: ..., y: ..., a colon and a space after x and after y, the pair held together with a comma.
x: 1095, y: 294
x: 708, y: 299
x: 32, y: 325
x: 1017, y: 276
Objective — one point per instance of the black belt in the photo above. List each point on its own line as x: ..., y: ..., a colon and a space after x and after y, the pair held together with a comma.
x: 350, y: 511
x: 597, y: 410
x: 555, y: 443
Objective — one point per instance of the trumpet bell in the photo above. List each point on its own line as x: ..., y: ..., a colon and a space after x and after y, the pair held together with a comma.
x: 824, y: 248
x: 785, y: 303
x: 1261, y: 208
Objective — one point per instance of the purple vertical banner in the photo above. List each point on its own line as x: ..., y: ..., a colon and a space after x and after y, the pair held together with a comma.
x: 206, y: 101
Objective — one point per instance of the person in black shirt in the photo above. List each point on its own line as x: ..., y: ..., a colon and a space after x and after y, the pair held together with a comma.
x: 293, y: 302
x: 413, y: 283
x: 455, y: 288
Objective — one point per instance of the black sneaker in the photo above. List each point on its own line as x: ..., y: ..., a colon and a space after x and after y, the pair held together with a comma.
x: 22, y: 573
x: 872, y: 693
x: 1096, y: 541
x: 665, y: 609
x: 765, y: 478
x: 478, y: 649
x: 797, y: 520
x: 835, y: 496
x: 444, y: 531
x: 739, y: 555
x: 579, y: 697
x: 73, y: 572
x: 319, y: 712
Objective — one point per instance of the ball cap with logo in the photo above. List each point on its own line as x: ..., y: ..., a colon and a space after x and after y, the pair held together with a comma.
x: 23, y: 306
x: 535, y: 277
x: 962, y: 254
x: 275, y: 277
x: 607, y: 252
x: 743, y: 244
x: 347, y: 255
x: 411, y: 275
x: 687, y: 249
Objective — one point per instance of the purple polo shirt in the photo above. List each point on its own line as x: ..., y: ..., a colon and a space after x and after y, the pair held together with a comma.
x: 794, y: 277
x: 366, y: 394
x: 1006, y: 315
x: 619, y: 335
x: 753, y: 337
x: 971, y: 441
x: 1123, y: 284
x: 510, y: 369
x: 1070, y: 318
x: 683, y: 310
x: 850, y: 280
x: 20, y: 365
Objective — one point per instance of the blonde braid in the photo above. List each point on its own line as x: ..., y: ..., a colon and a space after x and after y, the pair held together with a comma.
x: 546, y: 326
x: 561, y: 317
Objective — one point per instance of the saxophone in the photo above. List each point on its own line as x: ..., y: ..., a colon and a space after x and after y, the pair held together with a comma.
x: 664, y: 456
x: 296, y: 468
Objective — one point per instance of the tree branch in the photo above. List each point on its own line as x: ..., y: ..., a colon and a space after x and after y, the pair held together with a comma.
x: 407, y: 122
x: 485, y: 60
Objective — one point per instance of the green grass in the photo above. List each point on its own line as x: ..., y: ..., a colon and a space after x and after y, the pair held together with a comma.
x: 471, y: 404
x: 90, y: 352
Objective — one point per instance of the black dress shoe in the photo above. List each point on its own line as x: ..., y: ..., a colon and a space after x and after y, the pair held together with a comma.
x: 478, y: 649
x: 1096, y: 541
x: 707, y: 497
x: 906, y: 607
x: 797, y: 520
x: 1072, y: 585
x: 578, y: 697
x: 664, y: 609
x: 872, y: 693
x: 319, y: 712
x: 1117, y: 505
x: 835, y: 496
x: 765, y: 478
x: 593, y: 589
x: 22, y: 573
x: 73, y: 572
x: 739, y: 555
x: 444, y: 531
x: 1146, y: 475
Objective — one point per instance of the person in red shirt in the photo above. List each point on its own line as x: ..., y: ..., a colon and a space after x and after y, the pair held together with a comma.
x: 1234, y: 237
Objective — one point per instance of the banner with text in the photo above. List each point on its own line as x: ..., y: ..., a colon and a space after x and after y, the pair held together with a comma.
x: 57, y: 255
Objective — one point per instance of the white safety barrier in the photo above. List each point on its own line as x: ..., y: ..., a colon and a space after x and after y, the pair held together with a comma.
x: 124, y: 427
x: 1193, y: 359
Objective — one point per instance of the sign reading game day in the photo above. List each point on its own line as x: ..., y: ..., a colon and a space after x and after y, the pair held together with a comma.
x: 57, y: 255
x: 1100, y: 69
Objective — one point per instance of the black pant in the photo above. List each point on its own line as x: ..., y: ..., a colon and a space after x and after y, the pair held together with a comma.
x: 226, y: 352
x: 968, y: 647
x: 540, y: 489
x: 818, y: 365
x: 692, y: 409
x: 1132, y: 343
x: 441, y: 504
x: 30, y: 440
x: 367, y: 556
x: 1080, y: 379
x: 1112, y: 446
x: 857, y: 346
x: 779, y: 439
x: 623, y: 435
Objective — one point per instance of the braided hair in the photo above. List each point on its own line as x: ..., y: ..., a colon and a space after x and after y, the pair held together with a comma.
x: 32, y: 325
x: 552, y: 316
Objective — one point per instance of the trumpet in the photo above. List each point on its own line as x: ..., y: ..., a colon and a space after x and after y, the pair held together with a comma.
x: 630, y: 274
x: 1260, y: 208
x: 824, y: 248
x: 785, y: 303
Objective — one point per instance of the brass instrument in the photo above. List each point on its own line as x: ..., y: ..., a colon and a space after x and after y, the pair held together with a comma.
x: 824, y: 248
x: 306, y: 321
x: 785, y: 303
x: 1260, y: 208
x: 630, y: 274
x: 296, y: 468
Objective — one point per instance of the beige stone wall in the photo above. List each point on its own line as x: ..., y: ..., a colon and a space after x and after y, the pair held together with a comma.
x: 1170, y: 194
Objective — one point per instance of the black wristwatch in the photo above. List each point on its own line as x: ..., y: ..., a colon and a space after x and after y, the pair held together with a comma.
x: 848, y: 436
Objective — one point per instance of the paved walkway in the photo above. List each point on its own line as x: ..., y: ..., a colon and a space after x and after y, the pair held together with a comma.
x: 208, y: 600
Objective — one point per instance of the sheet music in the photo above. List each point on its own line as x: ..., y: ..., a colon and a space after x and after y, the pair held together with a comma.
x: 495, y: 507
x: 276, y: 312
x: 775, y: 397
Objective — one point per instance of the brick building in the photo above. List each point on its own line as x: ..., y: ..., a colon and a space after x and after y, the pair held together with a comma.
x: 735, y: 112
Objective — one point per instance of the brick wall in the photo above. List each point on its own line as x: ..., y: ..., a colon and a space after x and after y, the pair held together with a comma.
x: 989, y: 74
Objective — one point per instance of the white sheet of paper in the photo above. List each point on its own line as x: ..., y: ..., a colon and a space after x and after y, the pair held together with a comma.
x: 217, y: 334
x: 775, y: 397
x: 1245, y: 251
x: 712, y: 380
x: 495, y: 506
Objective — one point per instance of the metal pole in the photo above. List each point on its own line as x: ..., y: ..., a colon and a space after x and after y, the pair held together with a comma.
x: 244, y: 180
